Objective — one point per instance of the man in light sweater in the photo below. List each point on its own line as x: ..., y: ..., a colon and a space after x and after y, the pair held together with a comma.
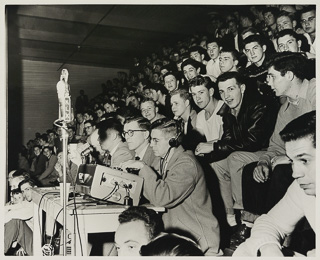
x: 300, y: 199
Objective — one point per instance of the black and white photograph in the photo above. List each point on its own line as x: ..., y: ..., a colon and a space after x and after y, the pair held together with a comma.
x: 159, y: 129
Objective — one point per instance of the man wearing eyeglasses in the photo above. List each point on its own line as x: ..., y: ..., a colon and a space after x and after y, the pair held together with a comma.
x: 308, y: 23
x: 110, y: 138
x: 136, y: 131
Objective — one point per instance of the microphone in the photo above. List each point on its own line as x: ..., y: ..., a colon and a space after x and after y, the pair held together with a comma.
x: 63, y: 90
x: 87, y: 151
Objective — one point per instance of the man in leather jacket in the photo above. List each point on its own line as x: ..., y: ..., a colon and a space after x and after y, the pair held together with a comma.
x: 247, y: 126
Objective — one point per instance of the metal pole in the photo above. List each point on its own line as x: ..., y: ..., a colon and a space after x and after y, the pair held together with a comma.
x: 65, y: 155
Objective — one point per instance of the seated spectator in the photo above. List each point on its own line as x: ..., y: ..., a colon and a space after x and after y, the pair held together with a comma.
x: 171, y: 245
x: 138, y: 226
x: 133, y: 100
x: 308, y: 23
x: 43, y: 140
x: 79, y: 126
x: 208, y: 122
x: 149, y: 110
x: 72, y: 135
x: 23, y: 163
x: 19, y: 220
x: 38, y: 165
x: 265, y: 182
x: 186, y: 117
x: 136, y: 131
x: 270, y: 229
x: 199, y: 54
x: 228, y: 60
x: 110, y: 137
x: 247, y: 126
x: 48, y: 177
x: 213, y: 49
x: 159, y: 95
x: 99, y: 112
x: 89, y: 127
x: 270, y: 14
x: 182, y: 183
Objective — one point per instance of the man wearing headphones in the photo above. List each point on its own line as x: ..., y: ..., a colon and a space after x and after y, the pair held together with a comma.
x: 177, y: 183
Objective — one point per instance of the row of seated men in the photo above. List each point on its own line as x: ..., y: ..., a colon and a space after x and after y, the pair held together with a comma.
x: 227, y: 134
x: 139, y: 226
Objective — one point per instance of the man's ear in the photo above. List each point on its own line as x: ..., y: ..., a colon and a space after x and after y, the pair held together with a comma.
x: 198, y: 70
x: 289, y: 75
x: 242, y: 88
x: 202, y: 56
x: 211, y: 92
x: 294, y: 24
x: 236, y: 62
x: 146, y: 134
x: 299, y: 43
x: 187, y: 102
x: 157, y: 109
x: 264, y: 48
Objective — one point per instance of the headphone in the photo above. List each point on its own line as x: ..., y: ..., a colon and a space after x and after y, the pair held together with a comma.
x: 175, y: 142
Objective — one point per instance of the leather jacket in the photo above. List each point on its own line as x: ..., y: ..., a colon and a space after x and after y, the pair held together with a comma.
x: 250, y: 131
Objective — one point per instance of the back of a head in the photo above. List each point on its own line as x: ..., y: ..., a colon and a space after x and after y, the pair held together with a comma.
x: 151, y: 219
x: 301, y: 127
x: 168, y: 126
x: 171, y: 245
x: 142, y: 122
x: 110, y: 124
x: 191, y: 62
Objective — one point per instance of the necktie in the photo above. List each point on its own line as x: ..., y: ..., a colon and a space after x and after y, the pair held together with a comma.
x: 107, y: 159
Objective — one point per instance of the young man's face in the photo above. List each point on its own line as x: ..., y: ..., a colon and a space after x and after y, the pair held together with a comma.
x: 201, y: 95
x: 255, y: 52
x: 79, y: 118
x: 155, y: 77
x: 196, y: 56
x: 159, y: 143
x: 213, y: 50
x: 88, y: 128
x: 108, y: 107
x: 129, y: 238
x: 302, y: 153
x: 308, y: 22
x: 231, y: 93
x: 26, y: 191
x: 138, y: 137
x: 170, y: 82
x: 284, y: 22
x: 17, y: 198
x: 178, y: 105
x: 47, y: 152
x: 279, y: 84
x: 226, y: 62
x: 288, y: 43
x: 148, y: 110
x: 37, y: 151
x: 190, y: 72
x: 154, y: 95
x: 269, y: 19
x: 99, y: 113
x: 133, y: 101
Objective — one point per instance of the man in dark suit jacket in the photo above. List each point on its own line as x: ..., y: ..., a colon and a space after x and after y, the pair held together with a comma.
x: 110, y: 138
x: 136, y: 131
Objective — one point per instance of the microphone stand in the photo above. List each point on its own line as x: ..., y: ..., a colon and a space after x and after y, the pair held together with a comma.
x: 65, y: 116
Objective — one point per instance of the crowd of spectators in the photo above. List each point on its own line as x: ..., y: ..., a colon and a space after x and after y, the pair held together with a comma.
x: 224, y: 97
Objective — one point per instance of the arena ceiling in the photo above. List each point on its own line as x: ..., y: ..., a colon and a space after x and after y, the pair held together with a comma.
x: 103, y: 35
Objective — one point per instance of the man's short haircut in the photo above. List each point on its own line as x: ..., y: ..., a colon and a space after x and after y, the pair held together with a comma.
x: 110, y: 124
x: 301, y: 127
x: 249, y: 29
x: 291, y: 16
x: 307, y: 9
x: 287, y: 32
x: 50, y: 148
x: 231, y: 75
x: 169, y: 73
x: 272, y: 10
x: 183, y: 93
x: 44, y: 137
x: 91, y: 122
x: 254, y: 38
x: 290, y: 61
x: 168, y: 126
x: 171, y: 245
x: 37, y: 145
x: 159, y: 87
x: 142, y: 122
x: 200, y: 80
x: 234, y: 53
x: 152, y: 221
x: 100, y: 108
x: 27, y: 180
x: 148, y: 99
x: 72, y: 128
x: 192, y: 62
x: 197, y: 48
x: 212, y: 39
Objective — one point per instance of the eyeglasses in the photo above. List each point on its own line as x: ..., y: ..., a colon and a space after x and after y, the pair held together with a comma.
x: 309, y: 20
x: 131, y: 132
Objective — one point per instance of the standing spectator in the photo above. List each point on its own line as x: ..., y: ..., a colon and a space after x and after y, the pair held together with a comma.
x: 82, y: 102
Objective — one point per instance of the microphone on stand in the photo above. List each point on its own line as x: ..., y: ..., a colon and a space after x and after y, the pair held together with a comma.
x: 63, y: 89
